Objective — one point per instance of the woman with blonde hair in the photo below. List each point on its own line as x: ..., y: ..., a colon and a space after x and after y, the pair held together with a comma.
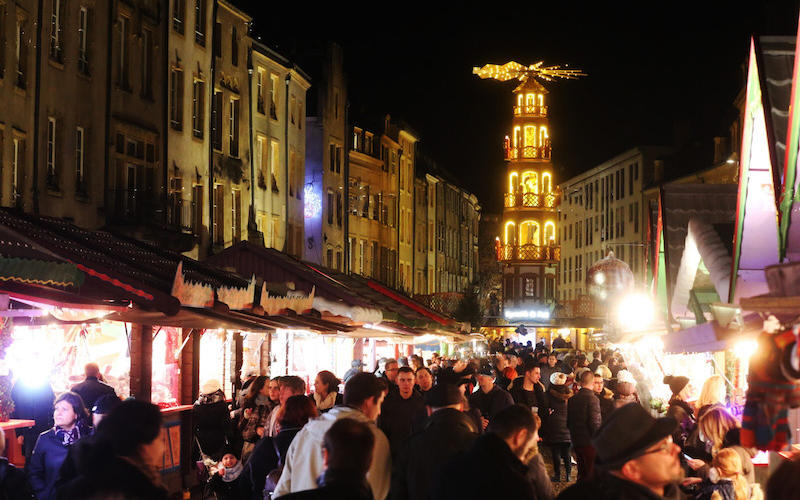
x: 720, y: 430
x: 712, y: 394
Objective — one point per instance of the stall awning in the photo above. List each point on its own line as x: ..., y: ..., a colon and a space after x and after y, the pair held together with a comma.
x: 710, y: 336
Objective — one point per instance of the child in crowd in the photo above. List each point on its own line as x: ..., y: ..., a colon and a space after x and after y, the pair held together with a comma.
x: 224, y: 479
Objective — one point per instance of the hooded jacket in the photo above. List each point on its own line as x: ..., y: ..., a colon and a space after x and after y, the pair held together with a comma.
x: 304, y: 462
x: 556, y: 424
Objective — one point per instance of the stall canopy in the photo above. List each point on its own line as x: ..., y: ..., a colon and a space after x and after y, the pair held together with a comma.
x: 343, y: 298
x: 711, y: 336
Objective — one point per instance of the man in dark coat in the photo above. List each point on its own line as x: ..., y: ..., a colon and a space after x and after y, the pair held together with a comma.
x: 529, y: 391
x: 447, y: 432
x: 347, y: 453
x: 605, y: 396
x: 400, y: 409
x: 583, y: 421
x: 493, y: 467
x: 489, y: 399
x: 636, y: 459
x: 91, y: 388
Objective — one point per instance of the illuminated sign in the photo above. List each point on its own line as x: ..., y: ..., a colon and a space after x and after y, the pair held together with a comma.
x: 313, y: 203
x: 527, y: 314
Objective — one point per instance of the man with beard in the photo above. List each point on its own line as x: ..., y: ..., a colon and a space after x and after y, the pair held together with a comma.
x: 636, y: 458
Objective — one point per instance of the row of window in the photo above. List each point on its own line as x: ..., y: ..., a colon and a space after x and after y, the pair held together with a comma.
x: 367, y: 258
x: 377, y: 206
x: 17, y: 158
x: 610, y: 187
x: 614, y: 227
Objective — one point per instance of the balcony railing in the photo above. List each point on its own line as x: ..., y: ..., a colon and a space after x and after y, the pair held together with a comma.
x: 529, y: 152
x: 531, y: 200
x: 530, y: 110
x: 529, y: 253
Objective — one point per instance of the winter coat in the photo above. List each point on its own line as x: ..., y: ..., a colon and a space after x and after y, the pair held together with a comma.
x: 304, y: 459
x: 583, y: 417
x: 609, y: 487
x: 556, y: 430
x: 606, y: 399
x: 212, y: 424
x: 333, y: 486
x: 13, y: 485
x: 48, y: 456
x: 488, y: 470
x: 268, y: 454
x: 397, y: 418
x: 684, y: 415
x: 490, y: 403
x: 113, y: 477
x: 91, y: 389
x: 447, y: 433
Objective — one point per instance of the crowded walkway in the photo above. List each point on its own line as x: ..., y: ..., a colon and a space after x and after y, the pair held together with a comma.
x: 525, y: 422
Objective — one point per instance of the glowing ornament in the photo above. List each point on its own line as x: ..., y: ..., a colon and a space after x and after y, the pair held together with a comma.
x: 313, y: 202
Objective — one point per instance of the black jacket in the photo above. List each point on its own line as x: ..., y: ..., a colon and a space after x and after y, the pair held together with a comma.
x: 212, y: 424
x: 583, y: 417
x: 555, y: 427
x: 13, y: 485
x: 397, y: 418
x: 268, y: 454
x: 608, y: 487
x: 488, y: 470
x: 528, y: 399
x: 606, y: 399
x: 112, y: 477
x: 447, y: 433
x: 490, y: 403
x: 91, y: 389
x: 335, y: 487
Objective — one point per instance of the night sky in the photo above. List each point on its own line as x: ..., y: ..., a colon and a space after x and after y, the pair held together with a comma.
x: 661, y: 74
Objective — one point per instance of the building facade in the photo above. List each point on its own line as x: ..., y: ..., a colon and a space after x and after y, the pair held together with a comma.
x: 326, y: 126
x: 604, y: 209
x: 189, y: 92
x: 529, y: 250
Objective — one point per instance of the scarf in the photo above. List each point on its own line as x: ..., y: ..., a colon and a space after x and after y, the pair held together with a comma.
x: 231, y: 473
x: 67, y: 437
x: 327, y: 402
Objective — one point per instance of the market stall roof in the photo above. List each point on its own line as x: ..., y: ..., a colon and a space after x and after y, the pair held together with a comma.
x: 757, y: 238
x: 711, y: 336
x: 705, y: 264
x: 354, y: 290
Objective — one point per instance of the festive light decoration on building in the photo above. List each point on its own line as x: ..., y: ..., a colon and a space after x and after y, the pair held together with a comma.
x: 514, y: 70
x: 313, y: 203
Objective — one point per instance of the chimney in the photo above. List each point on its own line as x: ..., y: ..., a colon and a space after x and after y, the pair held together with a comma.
x: 658, y: 171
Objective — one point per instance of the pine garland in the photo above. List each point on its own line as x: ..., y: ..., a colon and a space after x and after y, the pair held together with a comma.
x: 6, y: 403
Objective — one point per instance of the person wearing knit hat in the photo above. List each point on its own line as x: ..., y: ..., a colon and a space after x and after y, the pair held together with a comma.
x: 625, y: 389
x: 679, y: 409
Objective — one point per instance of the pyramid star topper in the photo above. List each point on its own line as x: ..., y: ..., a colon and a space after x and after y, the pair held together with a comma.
x: 514, y: 70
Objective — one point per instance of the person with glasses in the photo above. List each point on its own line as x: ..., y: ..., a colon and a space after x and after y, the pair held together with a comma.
x: 636, y: 459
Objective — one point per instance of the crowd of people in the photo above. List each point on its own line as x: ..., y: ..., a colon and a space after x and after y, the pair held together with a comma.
x: 410, y: 429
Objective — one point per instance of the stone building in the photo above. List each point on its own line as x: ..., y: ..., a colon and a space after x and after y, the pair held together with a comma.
x: 326, y: 133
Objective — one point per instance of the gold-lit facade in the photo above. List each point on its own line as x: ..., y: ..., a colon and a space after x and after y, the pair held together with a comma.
x: 528, y: 247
